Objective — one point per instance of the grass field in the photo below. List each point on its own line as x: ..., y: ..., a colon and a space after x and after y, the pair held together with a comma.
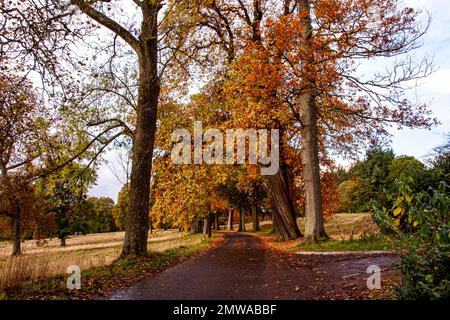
x: 347, y: 232
x: 88, y: 251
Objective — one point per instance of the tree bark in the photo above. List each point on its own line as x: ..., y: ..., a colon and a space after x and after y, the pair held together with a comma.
x: 207, y: 226
x: 15, y: 214
x: 210, y: 220
x: 255, y: 217
x: 137, y: 222
x: 241, y: 220
x: 217, y: 221
x: 230, y: 220
x: 314, y: 227
x: 213, y: 221
x: 16, y: 231
x: 283, y: 211
x: 197, y: 227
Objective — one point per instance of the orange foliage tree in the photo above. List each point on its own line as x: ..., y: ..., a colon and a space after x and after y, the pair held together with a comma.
x: 299, y: 74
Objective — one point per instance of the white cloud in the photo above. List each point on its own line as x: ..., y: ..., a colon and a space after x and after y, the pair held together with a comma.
x: 438, y: 83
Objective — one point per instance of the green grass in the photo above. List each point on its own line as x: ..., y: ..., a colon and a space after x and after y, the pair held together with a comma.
x: 371, y: 243
x: 99, y: 280
x: 265, y: 231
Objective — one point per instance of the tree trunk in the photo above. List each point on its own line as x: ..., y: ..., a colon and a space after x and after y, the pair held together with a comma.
x: 230, y: 220
x: 283, y: 211
x: 16, y: 228
x: 15, y: 214
x: 314, y: 227
x: 255, y: 217
x: 63, y: 241
x: 213, y: 221
x: 137, y: 222
x: 210, y: 220
x: 217, y: 221
x: 207, y: 226
x: 241, y: 220
x: 197, y: 227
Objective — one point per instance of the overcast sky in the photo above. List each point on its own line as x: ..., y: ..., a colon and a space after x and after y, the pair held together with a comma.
x: 417, y: 143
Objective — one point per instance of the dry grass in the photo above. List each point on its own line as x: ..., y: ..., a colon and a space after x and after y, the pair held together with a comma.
x: 342, y: 226
x: 339, y: 227
x: 20, y: 269
x: 84, y: 251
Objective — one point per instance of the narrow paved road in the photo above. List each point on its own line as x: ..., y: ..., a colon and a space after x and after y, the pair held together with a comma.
x: 243, y: 268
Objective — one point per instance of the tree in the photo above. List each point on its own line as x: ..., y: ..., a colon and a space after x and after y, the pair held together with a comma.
x: 150, y: 50
x: 121, y: 208
x: 348, y: 196
x: 227, y: 27
x: 101, y: 219
x: 314, y: 52
x: 66, y: 195
x: 302, y: 61
x: 24, y: 136
x: 145, y: 46
x: 372, y: 176
x: 413, y: 168
x: 144, y: 41
x: 440, y: 162
x: 230, y: 220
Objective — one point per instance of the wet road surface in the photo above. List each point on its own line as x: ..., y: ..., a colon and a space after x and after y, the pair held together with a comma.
x: 243, y: 268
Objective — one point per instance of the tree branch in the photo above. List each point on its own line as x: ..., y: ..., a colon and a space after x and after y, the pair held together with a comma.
x: 108, y: 23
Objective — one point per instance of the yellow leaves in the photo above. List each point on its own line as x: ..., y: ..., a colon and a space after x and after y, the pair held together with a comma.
x: 398, y: 211
x: 408, y: 198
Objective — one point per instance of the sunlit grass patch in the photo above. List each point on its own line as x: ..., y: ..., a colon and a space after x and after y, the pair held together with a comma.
x: 371, y: 243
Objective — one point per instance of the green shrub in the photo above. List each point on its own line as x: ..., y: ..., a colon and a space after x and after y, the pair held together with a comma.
x: 421, y: 221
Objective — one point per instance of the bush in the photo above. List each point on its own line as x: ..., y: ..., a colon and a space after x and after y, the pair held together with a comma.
x: 421, y: 221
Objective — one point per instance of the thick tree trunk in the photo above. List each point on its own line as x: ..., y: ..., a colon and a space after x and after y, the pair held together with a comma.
x: 241, y: 219
x: 207, y: 226
x: 16, y: 232
x: 283, y: 211
x: 314, y: 227
x: 63, y: 241
x: 255, y: 218
x: 230, y: 220
x: 137, y: 222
